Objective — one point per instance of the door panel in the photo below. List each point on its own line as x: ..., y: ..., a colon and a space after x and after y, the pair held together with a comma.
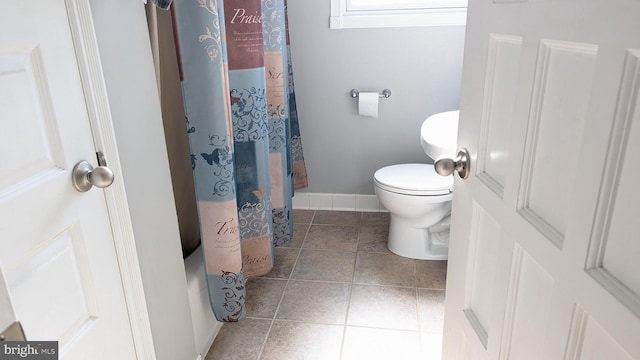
x: 559, y: 102
x: 590, y: 341
x: 548, y: 114
x: 7, y: 315
x: 58, y: 267
x: 530, y: 291
x: 484, y: 243
x: 499, y: 95
x: 614, y: 250
x: 24, y: 96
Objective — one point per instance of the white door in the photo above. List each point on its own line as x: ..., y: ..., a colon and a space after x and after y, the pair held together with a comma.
x: 57, y: 253
x: 544, y: 258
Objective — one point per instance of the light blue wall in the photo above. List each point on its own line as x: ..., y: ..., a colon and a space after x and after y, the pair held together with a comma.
x: 422, y: 67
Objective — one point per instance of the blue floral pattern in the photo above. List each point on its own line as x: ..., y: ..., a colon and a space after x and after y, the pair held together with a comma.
x: 212, y: 38
x: 221, y: 159
x: 282, y: 231
x: 248, y: 108
x: 277, y: 135
x: 234, y: 294
x: 252, y: 219
x: 272, y: 25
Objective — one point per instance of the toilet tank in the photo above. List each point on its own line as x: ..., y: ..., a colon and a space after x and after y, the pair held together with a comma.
x: 439, y: 134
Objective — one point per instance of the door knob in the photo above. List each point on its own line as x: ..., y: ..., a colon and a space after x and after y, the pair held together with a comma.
x: 461, y: 164
x: 84, y: 176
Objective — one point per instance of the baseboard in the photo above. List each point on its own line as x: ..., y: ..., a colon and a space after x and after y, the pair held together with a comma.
x: 342, y: 202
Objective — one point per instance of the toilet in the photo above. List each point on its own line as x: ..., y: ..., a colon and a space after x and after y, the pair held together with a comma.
x: 417, y: 198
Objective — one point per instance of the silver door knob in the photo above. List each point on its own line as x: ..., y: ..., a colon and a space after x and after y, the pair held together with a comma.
x: 84, y: 176
x: 461, y: 164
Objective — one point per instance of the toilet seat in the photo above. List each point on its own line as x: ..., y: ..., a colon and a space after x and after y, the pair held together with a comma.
x: 413, y: 179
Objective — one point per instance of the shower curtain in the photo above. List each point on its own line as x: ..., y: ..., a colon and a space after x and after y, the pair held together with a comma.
x: 240, y: 115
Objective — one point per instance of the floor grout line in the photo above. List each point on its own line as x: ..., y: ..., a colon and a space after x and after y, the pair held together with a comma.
x: 275, y: 313
x: 353, y: 275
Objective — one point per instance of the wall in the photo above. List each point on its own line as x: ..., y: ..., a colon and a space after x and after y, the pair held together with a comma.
x: 123, y: 41
x: 422, y: 67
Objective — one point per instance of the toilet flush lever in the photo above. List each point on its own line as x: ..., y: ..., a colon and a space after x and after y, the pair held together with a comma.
x: 461, y: 164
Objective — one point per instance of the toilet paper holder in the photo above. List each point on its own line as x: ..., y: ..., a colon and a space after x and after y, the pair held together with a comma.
x: 386, y: 93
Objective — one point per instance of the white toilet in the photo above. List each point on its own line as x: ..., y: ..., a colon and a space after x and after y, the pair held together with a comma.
x: 417, y: 198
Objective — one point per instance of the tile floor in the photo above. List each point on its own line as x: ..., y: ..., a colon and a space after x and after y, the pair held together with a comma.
x: 337, y: 292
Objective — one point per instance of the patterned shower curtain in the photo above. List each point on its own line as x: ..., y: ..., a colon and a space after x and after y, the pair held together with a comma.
x: 240, y: 115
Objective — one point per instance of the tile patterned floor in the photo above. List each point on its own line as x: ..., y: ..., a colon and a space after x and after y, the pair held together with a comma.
x: 337, y: 292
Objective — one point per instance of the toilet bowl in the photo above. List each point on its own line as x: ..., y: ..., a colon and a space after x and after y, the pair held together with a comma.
x: 419, y: 202
x: 417, y: 198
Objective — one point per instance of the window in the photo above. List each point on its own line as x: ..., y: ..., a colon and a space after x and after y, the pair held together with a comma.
x: 347, y: 14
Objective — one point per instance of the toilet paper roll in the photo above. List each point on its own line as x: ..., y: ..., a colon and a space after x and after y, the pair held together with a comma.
x: 368, y: 104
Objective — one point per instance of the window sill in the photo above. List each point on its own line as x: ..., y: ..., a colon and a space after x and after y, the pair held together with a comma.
x: 370, y: 19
